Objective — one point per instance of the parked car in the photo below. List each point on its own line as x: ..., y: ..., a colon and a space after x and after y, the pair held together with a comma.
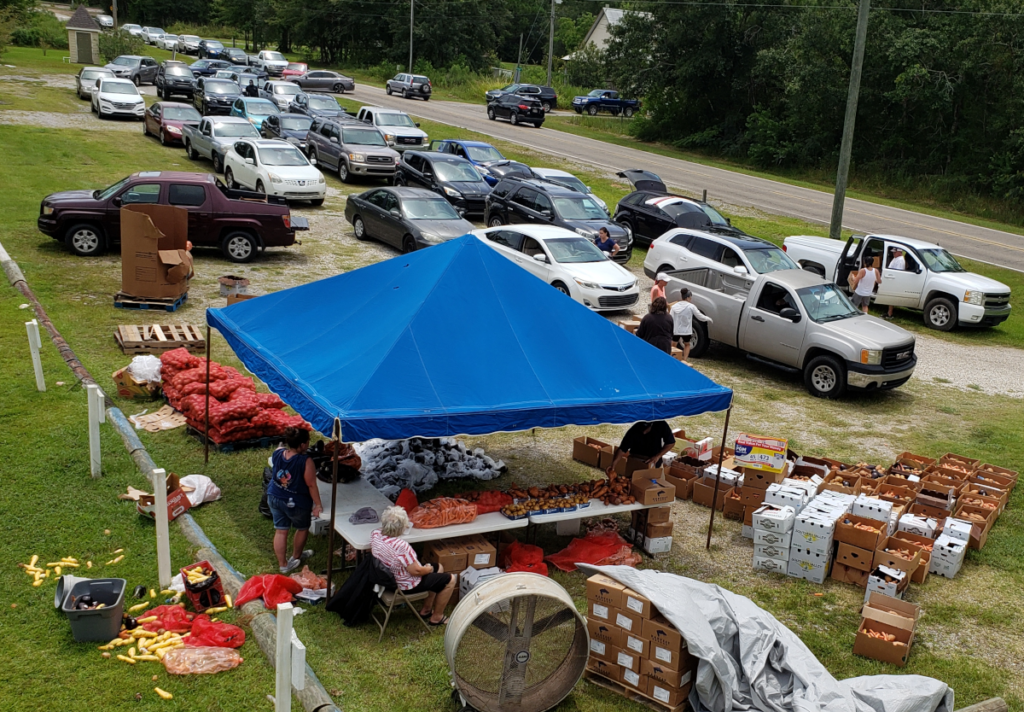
x: 225, y: 74
x: 104, y: 21
x: 275, y: 168
x: 174, y: 78
x: 400, y: 131
x: 211, y: 49
x: 239, y: 224
x: 188, y: 44
x: 289, y: 127
x: 139, y: 70
x: 273, y: 63
x: 800, y: 322
x: 605, y: 100
x: 117, y: 97
x: 167, y: 42
x: 134, y: 30
x: 409, y: 86
x: 455, y: 178
x: 407, y: 218
x: 516, y: 109
x: 547, y: 96
x: 553, y: 175
x: 165, y: 120
x: 487, y: 159
x: 932, y: 280
x: 243, y: 79
x: 294, y: 69
x: 215, y: 96
x: 570, y: 263
x: 235, y: 55
x: 281, y: 93
x: 351, y: 148
x: 151, y: 34
x: 316, y: 105
x: 329, y: 81
x: 214, y: 136
x: 85, y: 80
x: 254, y: 110
x: 650, y: 210
x: 209, y: 67
x: 538, y: 202
x: 689, y: 249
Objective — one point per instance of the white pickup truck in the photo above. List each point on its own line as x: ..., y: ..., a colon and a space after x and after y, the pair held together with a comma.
x: 400, y: 131
x: 932, y: 281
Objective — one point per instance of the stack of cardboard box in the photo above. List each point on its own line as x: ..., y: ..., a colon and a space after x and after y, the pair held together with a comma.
x: 652, y: 529
x: 813, y: 533
x: 857, y: 539
x: 949, y: 549
x: 886, y: 629
x: 633, y: 646
x: 773, y: 535
x: 753, y: 493
x: 458, y: 554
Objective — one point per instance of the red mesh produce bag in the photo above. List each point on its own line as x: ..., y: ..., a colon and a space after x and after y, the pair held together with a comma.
x: 195, y: 405
x: 222, y: 389
x: 196, y: 388
x: 269, y: 400
x: 229, y: 427
x: 522, y: 555
x: 589, y: 550
x: 172, y: 618
x: 625, y: 556
x: 407, y: 500
x: 178, y: 359
x: 206, y: 633
x: 272, y: 588
x: 539, y: 568
x: 200, y: 661
x: 441, y: 512
x: 243, y: 392
x: 237, y: 410
x: 491, y: 501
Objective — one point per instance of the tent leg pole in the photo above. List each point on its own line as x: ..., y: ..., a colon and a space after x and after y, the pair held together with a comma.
x: 718, y: 475
x: 206, y: 435
x: 334, y: 497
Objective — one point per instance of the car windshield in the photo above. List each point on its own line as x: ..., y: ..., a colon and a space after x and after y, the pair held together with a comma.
x: 596, y: 92
x: 574, y: 249
x: 938, y: 260
x: 484, y: 154
x: 456, y: 172
x: 580, y: 208
x: 221, y: 87
x: 362, y: 137
x: 119, y: 88
x: 178, y: 71
x: 295, y: 123
x: 125, y: 61
x: 224, y: 74
x: 234, y: 130
x: 395, y: 120
x: 155, y: 31
x: 189, y: 38
x: 182, y: 113
x: 287, y: 89
x: 107, y: 192
x: 96, y: 73
x: 324, y: 103
x: 570, y: 182
x: 824, y: 302
x: 213, y: 44
x: 283, y: 155
x: 429, y: 209
x: 261, y: 108
x: 295, y: 67
x: 274, y: 56
x: 170, y: 37
x: 771, y: 259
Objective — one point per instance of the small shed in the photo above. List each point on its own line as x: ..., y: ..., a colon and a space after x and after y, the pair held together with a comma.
x: 83, y: 37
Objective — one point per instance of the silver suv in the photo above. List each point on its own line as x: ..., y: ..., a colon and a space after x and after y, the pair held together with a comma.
x: 140, y: 70
x: 410, y: 86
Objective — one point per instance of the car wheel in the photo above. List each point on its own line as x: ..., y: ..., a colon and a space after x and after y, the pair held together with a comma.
x: 699, y: 341
x: 592, y: 110
x: 260, y: 188
x: 628, y: 112
x: 546, y: 106
x: 513, y: 118
x: 496, y: 221
x: 399, y: 179
x: 229, y: 178
x: 405, y: 94
x: 387, y: 90
x: 537, y: 124
x: 490, y: 114
x: 136, y: 80
x: 191, y: 152
x: 825, y: 377
x: 317, y: 202
x: 85, y: 240
x: 665, y: 268
x: 940, y: 313
x: 561, y: 288
x: 359, y: 228
x: 163, y: 139
x: 239, y: 247
x: 577, y: 109
x: 145, y: 128
x: 339, y: 89
x: 343, y: 170
x: 218, y: 163
x: 408, y: 244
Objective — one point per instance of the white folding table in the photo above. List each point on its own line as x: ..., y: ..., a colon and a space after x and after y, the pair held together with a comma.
x: 597, y: 508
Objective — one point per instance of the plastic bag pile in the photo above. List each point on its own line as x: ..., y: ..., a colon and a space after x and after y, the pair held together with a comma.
x: 418, y: 464
x: 145, y: 368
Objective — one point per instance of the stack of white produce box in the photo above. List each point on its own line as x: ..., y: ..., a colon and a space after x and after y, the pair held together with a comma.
x: 813, y: 530
x: 773, y: 533
x: 950, y: 548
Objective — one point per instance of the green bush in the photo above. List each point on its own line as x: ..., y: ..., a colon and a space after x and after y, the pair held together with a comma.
x: 40, y: 29
x: 114, y: 44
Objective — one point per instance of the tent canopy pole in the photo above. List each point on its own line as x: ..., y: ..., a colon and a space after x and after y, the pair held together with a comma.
x: 206, y: 435
x: 718, y: 475
x: 336, y: 435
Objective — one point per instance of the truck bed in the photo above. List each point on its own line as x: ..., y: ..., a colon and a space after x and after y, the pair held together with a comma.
x: 719, y: 294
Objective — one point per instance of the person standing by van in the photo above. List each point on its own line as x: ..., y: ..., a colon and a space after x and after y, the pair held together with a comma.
x: 683, y: 313
x: 864, y: 284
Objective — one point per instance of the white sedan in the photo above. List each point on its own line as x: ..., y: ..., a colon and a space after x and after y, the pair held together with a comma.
x: 569, y: 263
x: 167, y: 42
x: 117, y: 97
x: 274, y: 167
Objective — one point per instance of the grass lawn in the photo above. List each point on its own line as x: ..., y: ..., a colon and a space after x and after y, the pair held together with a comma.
x: 969, y: 636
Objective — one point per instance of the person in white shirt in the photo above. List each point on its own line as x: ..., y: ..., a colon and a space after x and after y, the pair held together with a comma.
x: 898, y: 262
x: 682, y: 313
x: 864, y: 285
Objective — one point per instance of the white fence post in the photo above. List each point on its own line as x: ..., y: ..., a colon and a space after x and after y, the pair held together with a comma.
x: 290, y: 661
x: 97, y: 415
x: 34, y: 344
x: 163, y: 541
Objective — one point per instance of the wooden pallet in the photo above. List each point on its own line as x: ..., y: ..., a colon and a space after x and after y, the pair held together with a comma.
x: 631, y: 694
x: 124, y: 301
x: 158, y: 338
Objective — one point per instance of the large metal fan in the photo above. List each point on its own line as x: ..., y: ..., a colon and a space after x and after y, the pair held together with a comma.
x: 516, y: 642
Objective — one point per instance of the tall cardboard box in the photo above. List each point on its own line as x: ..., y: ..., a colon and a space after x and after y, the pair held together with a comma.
x: 591, y: 451
x: 448, y: 553
x: 650, y: 487
x: 604, y: 597
x: 155, y: 262
x: 480, y: 553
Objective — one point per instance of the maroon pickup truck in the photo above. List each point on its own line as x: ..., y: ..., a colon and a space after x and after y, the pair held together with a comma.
x: 238, y: 222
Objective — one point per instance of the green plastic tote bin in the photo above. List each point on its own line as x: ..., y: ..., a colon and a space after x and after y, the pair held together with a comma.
x: 97, y: 623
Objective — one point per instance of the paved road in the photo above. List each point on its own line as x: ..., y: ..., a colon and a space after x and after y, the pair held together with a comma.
x: 979, y: 243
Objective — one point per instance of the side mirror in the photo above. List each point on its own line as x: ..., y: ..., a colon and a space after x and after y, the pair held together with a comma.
x: 728, y: 222
x: 334, y: 139
x: 250, y: 162
x: 396, y: 213
x: 739, y: 269
x: 312, y: 160
x: 546, y: 213
x: 790, y: 313
x: 116, y: 202
x: 417, y: 125
x: 541, y: 258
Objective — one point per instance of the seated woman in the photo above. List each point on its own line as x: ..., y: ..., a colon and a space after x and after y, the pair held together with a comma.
x: 410, y: 575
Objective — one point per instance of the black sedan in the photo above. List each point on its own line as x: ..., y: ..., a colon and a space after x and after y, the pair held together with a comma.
x: 317, y: 106
x: 454, y: 177
x: 291, y: 127
x: 517, y: 109
x: 209, y: 67
x: 235, y: 55
x: 215, y: 96
x: 406, y: 218
x: 651, y: 210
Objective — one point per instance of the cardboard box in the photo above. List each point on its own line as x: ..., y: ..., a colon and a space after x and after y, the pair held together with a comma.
x: 657, y: 531
x: 236, y: 298
x: 777, y: 566
x: 751, y: 496
x: 659, y: 515
x: 986, y: 468
x: 662, y: 634
x: 958, y: 529
x: 771, y: 551
x: 605, y: 640
x: 732, y: 478
x: 841, y: 482
x: 632, y: 680
x: 860, y: 559
x: 628, y: 621
x: 605, y: 669
x: 948, y: 549
x: 667, y: 677
x: 667, y: 695
x: 703, y: 493
x: 762, y: 479
x: 747, y: 531
x: 979, y: 530
x: 682, y: 481
x: 177, y: 501
x: 813, y: 533
x: 850, y: 575
x: 155, y: 263
x: 848, y: 533
x: 605, y: 591
x: 748, y: 517
x: 448, y: 553
x: 733, y: 506
x: 923, y: 510
x: 636, y: 603
x: 772, y: 538
x: 650, y: 487
x: 781, y: 496
x: 128, y: 387
x: 657, y: 545
x: 872, y: 508
x: 895, y: 561
x: 921, y: 526
x: 983, y: 497
x: 480, y: 553
x: 887, y: 581
x: 946, y: 569
x: 636, y: 644
x: 772, y: 518
x: 601, y: 612
x: 626, y: 466
x: 922, y: 544
x: 583, y: 450
x: 896, y: 652
x: 628, y: 659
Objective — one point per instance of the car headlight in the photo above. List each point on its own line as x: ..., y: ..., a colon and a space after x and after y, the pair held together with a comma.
x: 173, y: 130
x: 452, y: 192
x: 252, y: 120
x: 426, y: 139
x: 390, y: 138
x: 589, y: 234
x: 274, y: 178
x: 294, y: 141
x: 321, y: 179
x: 871, y: 357
x: 431, y: 238
x: 47, y: 210
x: 585, y: 285
x: 975, y: 298
x: 357, y: 157
x: 484, y: 169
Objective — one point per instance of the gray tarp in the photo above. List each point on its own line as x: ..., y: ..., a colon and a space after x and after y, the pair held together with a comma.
x: 750, y: 661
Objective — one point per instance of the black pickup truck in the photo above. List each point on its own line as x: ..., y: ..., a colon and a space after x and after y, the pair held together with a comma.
x: 238, y: 222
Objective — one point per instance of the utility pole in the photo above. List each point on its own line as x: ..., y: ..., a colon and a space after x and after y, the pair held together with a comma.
x: 113, y: 9
x: 551, y: 40
x: 846, y: 147
x: 519, y: 60
x: 412, y: 8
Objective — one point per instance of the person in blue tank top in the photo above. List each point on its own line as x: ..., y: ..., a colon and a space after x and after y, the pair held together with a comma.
x: 293, y: 497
